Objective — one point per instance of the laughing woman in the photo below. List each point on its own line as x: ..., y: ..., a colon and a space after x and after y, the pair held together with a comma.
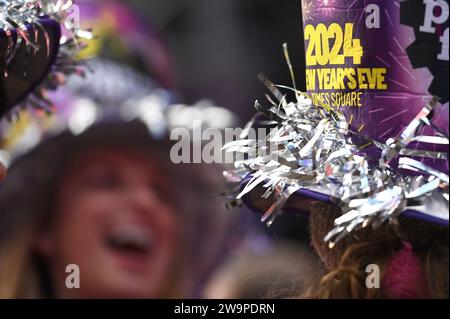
x: 105, y: 199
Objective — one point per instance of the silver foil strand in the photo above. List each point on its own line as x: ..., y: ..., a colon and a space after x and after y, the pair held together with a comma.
x: 23, y: 17
x: 312, y: 149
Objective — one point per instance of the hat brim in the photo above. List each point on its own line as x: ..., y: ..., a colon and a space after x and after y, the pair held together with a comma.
x: 28, y: 68
x: 431, y: 211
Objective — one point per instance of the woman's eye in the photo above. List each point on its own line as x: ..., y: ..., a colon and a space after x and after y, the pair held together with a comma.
x: 104, y: 180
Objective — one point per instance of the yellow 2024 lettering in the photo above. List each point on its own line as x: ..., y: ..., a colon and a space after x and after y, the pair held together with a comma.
x: 319, y: 51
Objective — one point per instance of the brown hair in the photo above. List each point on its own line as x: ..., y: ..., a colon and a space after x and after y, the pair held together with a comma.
x: 346, y: 263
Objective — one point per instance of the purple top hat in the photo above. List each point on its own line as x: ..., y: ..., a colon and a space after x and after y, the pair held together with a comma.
x: 370, y: 135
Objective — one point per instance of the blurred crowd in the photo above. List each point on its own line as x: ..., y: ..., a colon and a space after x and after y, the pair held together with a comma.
x: 101, y: 195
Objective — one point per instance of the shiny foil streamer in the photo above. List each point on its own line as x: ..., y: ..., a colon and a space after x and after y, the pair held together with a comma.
x: 23, y: 17
x: 312, y: 148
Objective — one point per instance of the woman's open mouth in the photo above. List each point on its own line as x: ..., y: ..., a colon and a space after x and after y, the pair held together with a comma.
x: 131, y: 244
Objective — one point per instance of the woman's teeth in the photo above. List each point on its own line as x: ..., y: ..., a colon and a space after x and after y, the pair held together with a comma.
x: 129, y: 237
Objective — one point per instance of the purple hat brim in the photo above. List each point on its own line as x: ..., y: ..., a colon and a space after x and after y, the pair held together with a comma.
x: 17, y: 86
x: 325, y: 198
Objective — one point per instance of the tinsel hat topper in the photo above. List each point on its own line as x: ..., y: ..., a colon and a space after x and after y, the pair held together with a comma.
x: 38, y: 42
x: 370, y: 134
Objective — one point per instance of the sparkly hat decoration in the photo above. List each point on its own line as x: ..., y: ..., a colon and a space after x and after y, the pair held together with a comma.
x: 370, y: 134
x: 39, y: 40
x: 112, y: 94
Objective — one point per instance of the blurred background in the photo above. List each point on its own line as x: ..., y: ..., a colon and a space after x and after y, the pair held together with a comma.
x: 146, y: 54
x: 218, y: 47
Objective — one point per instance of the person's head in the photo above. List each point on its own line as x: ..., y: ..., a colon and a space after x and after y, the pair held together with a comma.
x: 412, y: 257
x: 111, y: 204
x: 114, y: 219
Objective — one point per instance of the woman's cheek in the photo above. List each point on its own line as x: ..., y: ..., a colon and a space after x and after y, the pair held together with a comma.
x: 81, y: 218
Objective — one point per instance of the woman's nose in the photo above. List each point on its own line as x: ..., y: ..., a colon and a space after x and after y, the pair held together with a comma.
x: 142, y: 195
